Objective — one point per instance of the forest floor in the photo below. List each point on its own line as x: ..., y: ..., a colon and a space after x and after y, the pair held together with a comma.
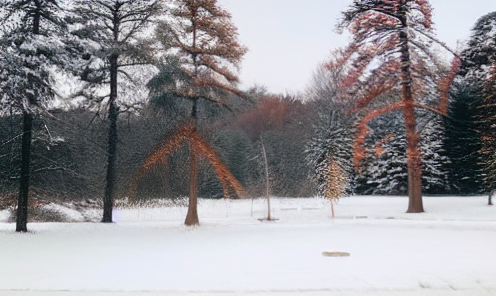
x: 449, y: 250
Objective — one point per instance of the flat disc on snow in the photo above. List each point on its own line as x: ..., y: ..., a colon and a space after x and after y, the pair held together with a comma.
x: 335, y: 254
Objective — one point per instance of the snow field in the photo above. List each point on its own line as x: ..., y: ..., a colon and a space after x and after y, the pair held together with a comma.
x: 450, y: 250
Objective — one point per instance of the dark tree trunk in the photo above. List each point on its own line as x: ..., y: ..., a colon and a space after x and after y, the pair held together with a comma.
x: 22, y: 203
x: 192, y: 216
x: 108, y: 200
x: 413, y: 154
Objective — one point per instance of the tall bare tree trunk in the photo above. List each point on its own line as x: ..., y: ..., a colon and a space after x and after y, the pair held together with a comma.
x: 192, y: 216
x: 413, y: 154
x: 108, y: 200
x: 22, y: 202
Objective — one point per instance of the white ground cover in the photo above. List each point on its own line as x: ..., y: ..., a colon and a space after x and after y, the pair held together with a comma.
x: 449, y: 250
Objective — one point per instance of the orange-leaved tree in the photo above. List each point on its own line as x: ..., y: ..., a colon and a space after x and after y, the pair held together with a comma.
x: 201, y: 54
x: 392, y: 48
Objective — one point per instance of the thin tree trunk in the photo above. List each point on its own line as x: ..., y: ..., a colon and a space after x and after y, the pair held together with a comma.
x: 22, y: 203
x: 332, y: 209
x: 413, y: 154
x: 192, y: 216
x: 266, y: 179
x: 108, y: 200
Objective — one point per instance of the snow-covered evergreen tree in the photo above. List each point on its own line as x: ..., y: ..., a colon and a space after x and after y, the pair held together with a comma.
x: 330, y: 154
x: 471, y: 128
x: 480, y: 51
x: 31, y: 45
x: 463, y: 142
x: 330, y: 149
x: 384, y: 170
x: 117, y: 40
x: 434, y: 159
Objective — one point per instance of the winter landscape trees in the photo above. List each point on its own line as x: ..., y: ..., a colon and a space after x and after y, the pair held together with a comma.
x: 115, y: 34
x: 140, y: 102
x: 201, y: 48
x: 29, y: 46
x: 475, y: 92
x: 397, y: 37
x: 385, y: 103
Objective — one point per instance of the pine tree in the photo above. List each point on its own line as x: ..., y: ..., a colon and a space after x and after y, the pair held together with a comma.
x: 463, y: 138
x: 385, y: 169
x: 201, y: 51
x: 114, y: 34
x: 31, y: 35
x: 471, y: 112
x: 392, y: 47
x: 435, y: 161
x: 489, y: 130
x: 480, y: 51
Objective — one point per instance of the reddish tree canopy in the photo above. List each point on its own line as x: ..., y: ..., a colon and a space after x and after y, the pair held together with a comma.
x: 273, y: 112
x: 392, y: 49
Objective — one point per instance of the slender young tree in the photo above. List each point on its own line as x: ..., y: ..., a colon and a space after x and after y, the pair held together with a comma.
x: 392, y: 41
x: 114, y: 32
x: 30, y: 43
x: 330, y: 149
x: 329, y: 153
x: 201, y: 52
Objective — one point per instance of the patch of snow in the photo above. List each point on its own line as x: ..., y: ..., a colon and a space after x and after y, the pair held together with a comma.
x: 4, y: 215
x: 449, y: 250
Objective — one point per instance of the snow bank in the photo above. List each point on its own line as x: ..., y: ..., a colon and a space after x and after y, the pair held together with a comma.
x: 4, y: 215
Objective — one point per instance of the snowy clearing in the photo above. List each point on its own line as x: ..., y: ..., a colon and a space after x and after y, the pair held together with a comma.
x: 450, y: 250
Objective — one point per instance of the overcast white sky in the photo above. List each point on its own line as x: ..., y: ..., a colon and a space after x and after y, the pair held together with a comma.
x: 287, y: 39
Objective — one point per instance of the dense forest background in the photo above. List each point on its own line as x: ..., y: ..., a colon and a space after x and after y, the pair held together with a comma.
x: 69, y: 150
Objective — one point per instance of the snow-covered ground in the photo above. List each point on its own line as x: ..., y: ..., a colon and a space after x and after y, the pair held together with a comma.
x: 449, y: 250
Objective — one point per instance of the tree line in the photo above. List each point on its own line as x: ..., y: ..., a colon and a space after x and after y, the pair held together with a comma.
x: 112, y: 99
